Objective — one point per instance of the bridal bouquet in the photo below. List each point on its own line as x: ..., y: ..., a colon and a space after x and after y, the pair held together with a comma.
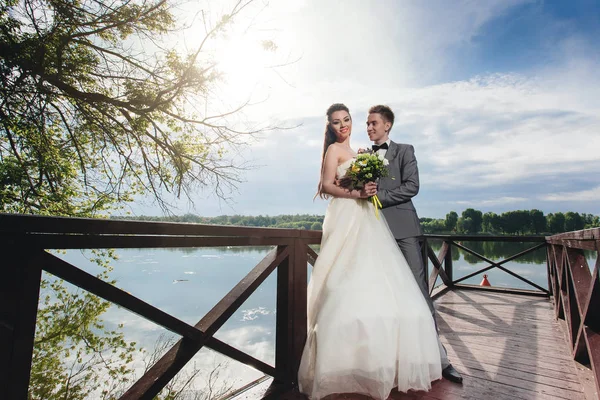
x: 366, y: 167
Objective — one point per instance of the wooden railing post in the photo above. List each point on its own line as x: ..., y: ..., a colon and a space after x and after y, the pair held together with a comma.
x: 291, y: 312
x: 19, y: 293
x: 448, y: 263
x: 549, y: 270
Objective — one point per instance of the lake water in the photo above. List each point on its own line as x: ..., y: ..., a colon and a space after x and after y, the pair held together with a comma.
x: 187, y: 283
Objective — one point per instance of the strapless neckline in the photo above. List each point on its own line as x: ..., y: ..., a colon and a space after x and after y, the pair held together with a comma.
x: 343, y: 167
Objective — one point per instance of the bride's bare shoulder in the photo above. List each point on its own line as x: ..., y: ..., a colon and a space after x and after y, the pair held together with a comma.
x: 334, y: 150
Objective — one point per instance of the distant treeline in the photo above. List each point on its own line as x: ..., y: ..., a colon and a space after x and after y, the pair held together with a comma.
x: 520, y: 222
x: 298, y: 221
x: 471, y: 221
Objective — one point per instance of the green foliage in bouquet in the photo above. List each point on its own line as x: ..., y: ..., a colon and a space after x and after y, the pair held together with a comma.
x: 367, y: 167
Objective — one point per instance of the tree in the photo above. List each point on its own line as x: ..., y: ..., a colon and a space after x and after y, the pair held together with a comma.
x: 556, y: 222
x: 573, y: 221
x: 516, y: 221
x: 316, y: 226
x: 591, y: 221
x: 88, y: 119
x: 490, y: 222
x: 465, y: 224
x: 451, y: 220
x: 538, y: 221
x: 434, y: 226
x: 73, y: 351
x: 471, y: 220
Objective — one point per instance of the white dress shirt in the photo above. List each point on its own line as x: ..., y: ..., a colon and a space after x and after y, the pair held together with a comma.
x: 384, y: 151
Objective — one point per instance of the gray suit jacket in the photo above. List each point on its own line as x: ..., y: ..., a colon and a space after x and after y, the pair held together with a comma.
x: 396, y: 194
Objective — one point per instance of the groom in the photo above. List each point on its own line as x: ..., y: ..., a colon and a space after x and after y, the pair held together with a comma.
x: 395, y: 196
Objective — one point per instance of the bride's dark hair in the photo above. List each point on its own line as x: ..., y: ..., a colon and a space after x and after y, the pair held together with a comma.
x: 329, y: 139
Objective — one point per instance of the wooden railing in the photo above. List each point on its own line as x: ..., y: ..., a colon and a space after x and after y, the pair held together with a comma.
x: 24, y: 241
x: 577, y: 293
x: 442, y: 266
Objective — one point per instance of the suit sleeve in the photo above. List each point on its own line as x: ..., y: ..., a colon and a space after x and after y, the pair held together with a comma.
x: 409, y: 186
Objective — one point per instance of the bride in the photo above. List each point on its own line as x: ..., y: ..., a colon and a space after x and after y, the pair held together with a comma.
x: 369, y: 327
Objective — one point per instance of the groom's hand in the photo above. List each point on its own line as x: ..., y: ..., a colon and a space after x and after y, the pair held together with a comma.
x: 370, y: 189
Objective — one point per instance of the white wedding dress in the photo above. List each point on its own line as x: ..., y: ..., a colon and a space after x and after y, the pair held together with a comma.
x: 369, y: 327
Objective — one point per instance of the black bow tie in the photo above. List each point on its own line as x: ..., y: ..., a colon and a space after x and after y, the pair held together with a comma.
x: 381, y: 146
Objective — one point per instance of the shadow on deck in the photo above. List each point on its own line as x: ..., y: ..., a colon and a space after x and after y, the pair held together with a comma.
x: 507, y: 346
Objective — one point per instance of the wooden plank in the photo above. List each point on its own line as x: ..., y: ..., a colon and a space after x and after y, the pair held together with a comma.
x: 438, y: 266
x: 588, y: 244
x: 580, y: 276
x: 443, y: 252
x: 461, y: 348
x: 499, y: 289
x: 527, y: 379
x: 19, y: 294
x: 502, y: 320
x: 480, y: 387
x: 155, y: 379
x: 520, y: 386
x: 585, y: 234
x: 507, y: 345
x: 432, y: 280
x: 21, y: 223
x: 61, y: 241
x: 312, y: 256
x: 469, y: 296
x: 533, y: 366
x: 536, y: 315
x: 536, y: 335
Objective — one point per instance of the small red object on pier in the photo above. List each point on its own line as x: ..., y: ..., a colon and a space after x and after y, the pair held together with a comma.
x: 485, y: 281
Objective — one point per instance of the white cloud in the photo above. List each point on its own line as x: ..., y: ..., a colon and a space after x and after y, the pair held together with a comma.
x: 491, y: 202
x: 254, y: 313
x: 583, y: 195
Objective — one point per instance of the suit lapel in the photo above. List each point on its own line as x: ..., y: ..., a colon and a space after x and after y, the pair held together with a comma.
x: 392, y: 151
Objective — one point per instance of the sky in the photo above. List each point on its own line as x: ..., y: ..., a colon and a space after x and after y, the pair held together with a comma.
x: 500, y: 98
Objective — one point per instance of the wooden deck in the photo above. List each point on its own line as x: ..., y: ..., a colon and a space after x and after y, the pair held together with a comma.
x: 506, y: 346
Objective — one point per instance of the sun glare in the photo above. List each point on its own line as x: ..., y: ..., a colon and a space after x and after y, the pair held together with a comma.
x: 244, y: 63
